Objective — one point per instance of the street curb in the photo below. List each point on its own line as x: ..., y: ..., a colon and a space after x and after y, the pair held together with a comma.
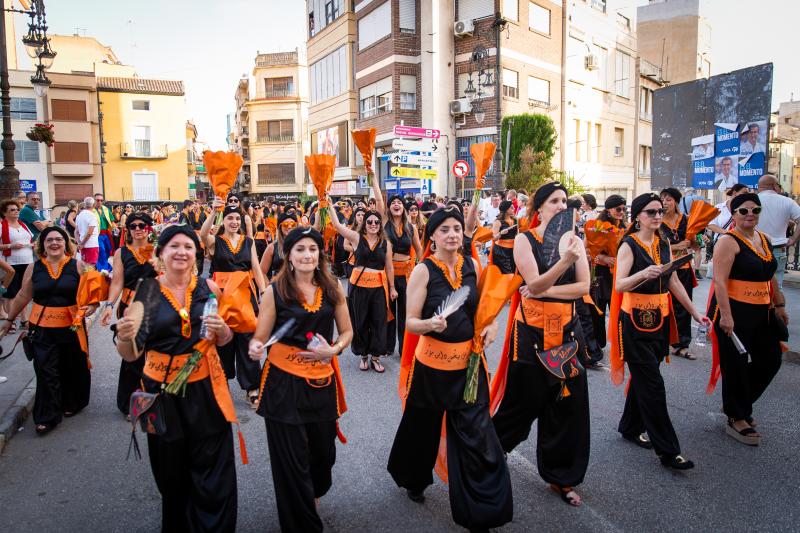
x: 15, y: 415
x: 792, y: 357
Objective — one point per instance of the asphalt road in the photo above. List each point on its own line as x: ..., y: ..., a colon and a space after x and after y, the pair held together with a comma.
x: 77, y: 478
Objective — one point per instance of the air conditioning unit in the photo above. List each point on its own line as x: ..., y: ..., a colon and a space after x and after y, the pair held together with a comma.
x: 618, y: 151
x: 463, y: 28
x: 460, y: 107
x: 590, y: 62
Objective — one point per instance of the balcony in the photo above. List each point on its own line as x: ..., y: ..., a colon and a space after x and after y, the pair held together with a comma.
x: 280, y: 93
x: 142, y: 149
x: 275, y: 139
x: 147, y: 194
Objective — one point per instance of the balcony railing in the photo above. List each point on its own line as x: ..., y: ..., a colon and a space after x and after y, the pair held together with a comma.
x: 147, y: 194
x: 275, y: 138
x: 142, y: 149
x: 280, y: 93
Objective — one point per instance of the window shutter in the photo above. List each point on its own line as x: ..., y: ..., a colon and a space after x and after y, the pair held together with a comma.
x: 375, y: 25
x: 408, y: 84
x: 383, y: 86
x: 474, y: 9
x: 408, y: 15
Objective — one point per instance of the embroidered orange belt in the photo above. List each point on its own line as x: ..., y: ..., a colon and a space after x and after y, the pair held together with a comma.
x: 285, y: 357
x: 127, y: 296
x: 505, y: 243
x: 550, y: 317
x: 749, y: 292
x: 443, y: 355
x: 403, y: 268
x: 156, y: 365
x: 60, y: 317
x: 647, y: 311
x: 373, y: 280
x: 260, y: 236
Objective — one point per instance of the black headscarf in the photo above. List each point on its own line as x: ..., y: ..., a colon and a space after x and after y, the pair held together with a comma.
x: 298, y: 234
x: 229, y: 210
x: 456, y: 204
x: 742, y: 198
x: 133, y: 217
x: 505, y: 205
x: 543, y: 193
x: 641, y: 201
x: 672, y: 191
x: 439, y: 216
x: 357, y: 210
x: 394, y: 197
x: 615, y: 200
x: 168, y: 233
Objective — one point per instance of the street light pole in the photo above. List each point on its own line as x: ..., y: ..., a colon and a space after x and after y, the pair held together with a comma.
x: 9, y: 175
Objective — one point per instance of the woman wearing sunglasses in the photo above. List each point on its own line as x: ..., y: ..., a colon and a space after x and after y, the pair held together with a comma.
x: 748, y: 303
x: 272, y: 260
x: 372, y: 286
x: 131, y: 263
x: 504, y: 230
x: 343, y: 259
x: 247, y: 225
x: 640, y: 329
x: 673, y: 226
x: 237, y: 272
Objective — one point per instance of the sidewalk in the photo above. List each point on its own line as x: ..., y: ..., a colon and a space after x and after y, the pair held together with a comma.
x: 16, y: 394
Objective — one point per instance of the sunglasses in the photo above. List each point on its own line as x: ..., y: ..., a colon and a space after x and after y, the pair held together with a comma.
x: 288, y: 224
x: 233, y: 201
x: 137, y: 226
x: 373, y: 222
x: 653, y: 213
x: 744, y: 211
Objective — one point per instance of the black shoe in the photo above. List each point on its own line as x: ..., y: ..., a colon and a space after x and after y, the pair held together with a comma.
x: 416, y: 496
x: 698, y: 275
x: 676, y: 462
x: 641, y: 440
x: 598, y: 365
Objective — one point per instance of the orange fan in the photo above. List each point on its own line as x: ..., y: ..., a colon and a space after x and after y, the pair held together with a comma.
x: 365, y: 142
x: 700, y: 214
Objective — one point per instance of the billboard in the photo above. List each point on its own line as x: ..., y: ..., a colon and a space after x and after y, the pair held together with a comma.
x: 733, y: 108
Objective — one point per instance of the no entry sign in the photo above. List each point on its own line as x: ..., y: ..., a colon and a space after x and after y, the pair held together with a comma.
x: 460, y: 168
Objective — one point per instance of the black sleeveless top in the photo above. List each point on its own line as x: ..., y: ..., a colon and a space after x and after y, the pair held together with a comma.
x: 277, y: 259
x: 642, y: 260
x: 68, y: 225
x: 370, y: 258
x: 260, y: 228
x: 59, y: 292
x: 538, y: 255
x: 165, y: 329
x: 510, y: 234
x: 460, y: 325
x: 401, y: 244
x: 748, y: 266
x: 226, y: 260
x: 677, y: 234
x: 320, y: 321
x: 342, y: 255
x: 133, y: 270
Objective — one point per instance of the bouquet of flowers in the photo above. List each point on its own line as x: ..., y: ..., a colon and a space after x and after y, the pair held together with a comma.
x: 482, y: 154
x: 92, y: 289
x: 365, y: 142
x: 601, y: 238
x: 320, y: 169
x: 222, y: 168
x: 42, y: 133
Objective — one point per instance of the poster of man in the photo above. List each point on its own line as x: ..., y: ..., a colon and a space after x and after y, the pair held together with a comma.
x: 753, y: 138
x: 727, y: 172
x: 328, y: 142
x: 703, y: 147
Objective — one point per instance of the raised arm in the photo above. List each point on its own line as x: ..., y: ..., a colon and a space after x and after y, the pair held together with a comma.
x: 205, y: 231
x: 471, y: 222
x: 350, y: 236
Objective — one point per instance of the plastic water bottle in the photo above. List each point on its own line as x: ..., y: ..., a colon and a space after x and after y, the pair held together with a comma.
x: 702, y: 332
x: 210, y: 308
x: 313, y: 341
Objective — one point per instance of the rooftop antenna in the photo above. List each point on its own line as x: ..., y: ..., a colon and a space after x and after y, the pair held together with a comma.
x: 80, y: 32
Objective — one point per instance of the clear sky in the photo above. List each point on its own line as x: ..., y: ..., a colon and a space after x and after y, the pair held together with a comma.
x: 209, y: 44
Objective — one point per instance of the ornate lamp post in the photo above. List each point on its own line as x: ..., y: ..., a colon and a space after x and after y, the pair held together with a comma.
x: 37, y: 46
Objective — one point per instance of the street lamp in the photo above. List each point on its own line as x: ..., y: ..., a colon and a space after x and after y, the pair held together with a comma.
x: 37, y: 46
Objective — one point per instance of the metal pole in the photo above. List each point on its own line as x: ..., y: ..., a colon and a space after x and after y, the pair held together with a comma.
x: 9, y: 175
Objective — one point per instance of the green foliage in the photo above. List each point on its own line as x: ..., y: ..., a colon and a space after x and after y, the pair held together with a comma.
x: 535, y: 169
x: 536, y: 131
x: 572, y: 184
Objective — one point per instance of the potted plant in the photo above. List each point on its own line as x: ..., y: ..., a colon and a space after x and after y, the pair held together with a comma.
x: 42, y: 133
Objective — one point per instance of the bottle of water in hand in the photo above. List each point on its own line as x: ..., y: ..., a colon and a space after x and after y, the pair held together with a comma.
x: 210, y: 308
x: 313, y: 341
x: 702, y: 332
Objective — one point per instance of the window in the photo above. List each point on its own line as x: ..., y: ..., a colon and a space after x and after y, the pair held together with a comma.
x: 474, y: 9
x: 275, y: 131
x: 646, y: 103
x: 67, y: 152
x: 140, y: 105
x: 539, y: 18
x: 141, y: 141
x: 602, y: 66
x: 376, y: 25
x: 69, y: 110
x: 23, y: 108
x: 511, y: 9
x: 619, y: 142
x: 577, y: 129
x: 644, y: 160
x: 408, y: 16
x: 276, y: 173
x: 510, y: 84
x: 622, y: 75
x: 65, y: 192
x: 539, y: 90
x: 462, y: 150
x: 376, y: 99
x: 599, y: 5
x: 329, y: 76
x: 598, y: 142
x: 408, y: 92
x: 463, y: 81
x: 623, y: 21
x: 26, y: 151
x: 279, y: 87
x: 323, y: 12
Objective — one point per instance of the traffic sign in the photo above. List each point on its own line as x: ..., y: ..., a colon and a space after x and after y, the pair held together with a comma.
x: 403, y: 172
x: 460, y: 168
x: 412, y: 132
x: 425, y: 187
x: 402, y: 158
x: 425, y: 145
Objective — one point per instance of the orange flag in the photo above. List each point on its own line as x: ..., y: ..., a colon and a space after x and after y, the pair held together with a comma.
x: 700, y: 214
x: 365, y: 142
x: 482, y: 154
x: 222, y: 168
x: 321, y: 168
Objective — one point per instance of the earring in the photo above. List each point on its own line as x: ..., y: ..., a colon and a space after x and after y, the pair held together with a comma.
x: 161, y: 266
x: 318, y: 267
x: 636, y: 224
x: 291, y: 267
x: 433, y: 246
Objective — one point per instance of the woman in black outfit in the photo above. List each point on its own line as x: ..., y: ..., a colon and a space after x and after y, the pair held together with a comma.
x: 272, y: 260
x: 504, y: 230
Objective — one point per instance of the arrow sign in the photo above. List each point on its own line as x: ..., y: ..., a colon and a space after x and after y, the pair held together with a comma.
x: 409, y: 131
x: 402, y: 172
x: 410, y: 159
x: 427, y: 145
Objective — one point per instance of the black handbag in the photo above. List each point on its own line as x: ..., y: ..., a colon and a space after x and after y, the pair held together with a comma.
x: 149, y: 411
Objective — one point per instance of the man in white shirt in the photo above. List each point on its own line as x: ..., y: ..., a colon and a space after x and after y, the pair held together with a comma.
x: 776, y: 213
x: 750, y: 144
x: 86, y: 232
x: 492, y: 211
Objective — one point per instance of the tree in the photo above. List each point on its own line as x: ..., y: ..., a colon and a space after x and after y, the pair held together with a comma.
x: 535, y: 169
x: 536, y: 131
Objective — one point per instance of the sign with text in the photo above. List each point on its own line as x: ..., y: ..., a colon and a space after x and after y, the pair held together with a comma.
x: 412, y: 132
x: 27, y: 185
x: 419, y: 173
x: 402, y: 158
x: 727, y: 139
x: 428, y: 145
x: 703, y: 162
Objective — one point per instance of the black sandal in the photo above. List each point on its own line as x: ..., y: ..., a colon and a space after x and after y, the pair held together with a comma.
x: 375, y: 363
x: 364, y: 364
x: 252, y: 399
x: 43, y: 429
x: 748, y: 435
x: 684, y: 352
x: 574, y: 500
x: 676, y: 462
x: 641, y: 440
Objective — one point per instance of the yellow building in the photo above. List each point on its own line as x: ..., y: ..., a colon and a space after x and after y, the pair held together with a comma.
x: 143, y: 126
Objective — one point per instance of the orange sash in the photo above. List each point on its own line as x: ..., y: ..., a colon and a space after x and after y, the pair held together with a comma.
x: 403, y: 268
x: 505, y: 243
x: 373, y: 280
x: 260, y: 236
x: 550, y: 317
x: 157, y: 363
x: 60, y: 317
x: 635, y: 300
x: 127, y: 296
x: 749, y: 292
x: 443, y: 355
x: 235, y: 305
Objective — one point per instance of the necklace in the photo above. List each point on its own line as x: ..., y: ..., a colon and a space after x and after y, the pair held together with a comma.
x: 652, y: 250
x: 764, y: 257
x: 454, y: 283
x: 314, y: 307
x: 59, y: 268
x: 536, y: 236
x: 234, y: 250
x: 143, y: 254
x: 183, y: 312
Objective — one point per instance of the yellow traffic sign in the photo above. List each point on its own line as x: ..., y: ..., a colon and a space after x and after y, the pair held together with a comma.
x: 419, y: 173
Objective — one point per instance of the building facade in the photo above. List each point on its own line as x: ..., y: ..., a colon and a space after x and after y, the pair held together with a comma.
x: 649, y: 80
x: 144, y: 130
